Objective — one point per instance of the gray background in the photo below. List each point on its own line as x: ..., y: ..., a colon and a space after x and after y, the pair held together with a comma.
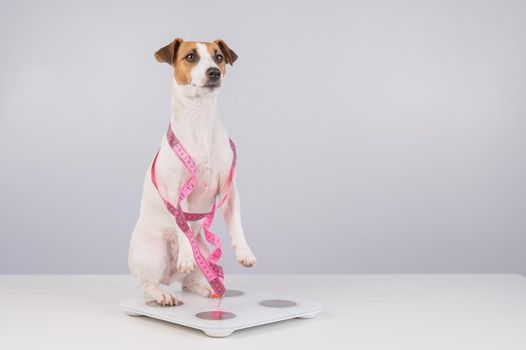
x: 383, y: 136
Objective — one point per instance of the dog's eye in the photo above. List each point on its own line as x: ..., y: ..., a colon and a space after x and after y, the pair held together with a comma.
x: 190, y: 57
x: 219, y: 58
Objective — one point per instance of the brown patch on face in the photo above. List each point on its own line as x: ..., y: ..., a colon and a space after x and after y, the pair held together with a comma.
x: 217, y: 55
x: 230, y: 55
x: 175, y: 54
x: 183, y: 67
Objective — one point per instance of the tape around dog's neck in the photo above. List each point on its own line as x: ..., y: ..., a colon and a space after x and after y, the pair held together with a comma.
x: 212, y: 271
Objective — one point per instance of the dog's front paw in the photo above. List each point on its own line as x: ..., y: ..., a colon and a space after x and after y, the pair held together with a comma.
x: 185, y: 263
x: 245, y: 256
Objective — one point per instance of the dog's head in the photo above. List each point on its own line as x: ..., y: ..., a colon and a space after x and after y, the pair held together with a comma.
x: 199, y: 67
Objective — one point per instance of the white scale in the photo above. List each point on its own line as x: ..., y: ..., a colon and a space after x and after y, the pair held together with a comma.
x: 238, y: 309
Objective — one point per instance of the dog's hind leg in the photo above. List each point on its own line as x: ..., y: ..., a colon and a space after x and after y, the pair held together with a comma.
x: 151, y: 260
x: 195, y: 281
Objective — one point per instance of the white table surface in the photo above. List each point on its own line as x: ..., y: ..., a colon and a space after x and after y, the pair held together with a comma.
x: 361, y: 312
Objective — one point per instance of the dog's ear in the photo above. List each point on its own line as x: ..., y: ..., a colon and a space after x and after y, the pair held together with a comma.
x: 168, y: 53
x: 230, y: 55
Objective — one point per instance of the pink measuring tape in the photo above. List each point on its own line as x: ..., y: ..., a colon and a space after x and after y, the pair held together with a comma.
x: 209, y: 267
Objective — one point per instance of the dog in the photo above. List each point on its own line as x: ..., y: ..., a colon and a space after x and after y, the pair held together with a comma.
x: 159, y: 252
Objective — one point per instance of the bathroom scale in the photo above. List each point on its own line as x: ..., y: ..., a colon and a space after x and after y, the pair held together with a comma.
x: 238, y: 309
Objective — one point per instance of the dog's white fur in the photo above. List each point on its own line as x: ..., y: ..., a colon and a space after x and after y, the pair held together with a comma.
x: 159, y: 251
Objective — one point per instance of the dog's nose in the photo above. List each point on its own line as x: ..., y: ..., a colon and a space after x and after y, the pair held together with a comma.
x: 213, y: 74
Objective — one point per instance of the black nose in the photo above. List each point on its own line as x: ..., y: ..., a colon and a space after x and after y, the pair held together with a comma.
x: 213, y: 74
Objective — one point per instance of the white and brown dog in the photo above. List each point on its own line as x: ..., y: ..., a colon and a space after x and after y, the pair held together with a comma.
x: 159, y: 251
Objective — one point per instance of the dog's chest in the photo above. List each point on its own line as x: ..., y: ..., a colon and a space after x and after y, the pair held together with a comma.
x: 210, y: 168
x: 207, y: 176
x: 211, y: 153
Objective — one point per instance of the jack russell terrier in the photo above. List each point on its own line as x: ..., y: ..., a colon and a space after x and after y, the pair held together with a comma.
x: 160, y: 253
